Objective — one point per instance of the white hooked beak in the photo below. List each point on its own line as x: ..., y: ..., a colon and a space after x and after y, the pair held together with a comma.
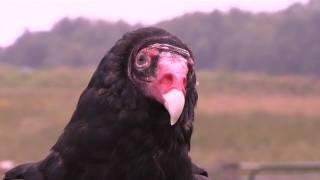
x: 174, y: 102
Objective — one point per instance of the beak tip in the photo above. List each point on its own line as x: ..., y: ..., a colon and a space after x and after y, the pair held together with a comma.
x: 174, y: 103
x: 173, y: 122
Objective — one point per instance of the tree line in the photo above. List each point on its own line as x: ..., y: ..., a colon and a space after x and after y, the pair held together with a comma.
x: 285, y: 42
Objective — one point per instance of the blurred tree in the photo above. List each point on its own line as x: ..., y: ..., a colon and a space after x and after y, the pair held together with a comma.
x: 278, y: 43
x: 77, y: 42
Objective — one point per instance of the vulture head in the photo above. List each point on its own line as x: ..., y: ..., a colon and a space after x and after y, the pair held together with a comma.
x: 160, y: 70
x: 148, y: 75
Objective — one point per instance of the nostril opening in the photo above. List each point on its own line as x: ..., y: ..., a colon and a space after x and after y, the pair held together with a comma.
x: 167, y: 79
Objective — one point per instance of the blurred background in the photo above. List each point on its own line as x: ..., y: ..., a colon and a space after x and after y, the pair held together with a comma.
x: 258, y: 66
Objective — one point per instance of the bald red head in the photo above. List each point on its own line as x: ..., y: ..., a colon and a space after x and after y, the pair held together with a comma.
x: 168, y: 82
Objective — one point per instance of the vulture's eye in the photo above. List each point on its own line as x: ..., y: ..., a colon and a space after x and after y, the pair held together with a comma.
x: 142, y: 61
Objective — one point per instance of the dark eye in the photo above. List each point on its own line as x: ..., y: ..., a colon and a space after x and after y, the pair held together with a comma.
x: 142, y: 61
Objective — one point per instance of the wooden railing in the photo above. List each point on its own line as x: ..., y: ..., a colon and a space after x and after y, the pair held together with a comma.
x: 250, y: 171
x: 233, y: 170
x: 262, y: 168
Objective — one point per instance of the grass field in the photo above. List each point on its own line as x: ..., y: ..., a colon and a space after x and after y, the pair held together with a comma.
x: 240, y: 117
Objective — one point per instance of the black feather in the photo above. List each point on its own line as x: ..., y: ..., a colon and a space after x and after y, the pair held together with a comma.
x: 116, y: 132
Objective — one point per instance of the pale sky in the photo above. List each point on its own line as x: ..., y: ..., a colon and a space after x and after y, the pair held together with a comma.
x: 37, y: 15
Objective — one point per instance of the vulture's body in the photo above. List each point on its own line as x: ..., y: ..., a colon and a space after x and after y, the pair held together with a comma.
x: 125, y: 126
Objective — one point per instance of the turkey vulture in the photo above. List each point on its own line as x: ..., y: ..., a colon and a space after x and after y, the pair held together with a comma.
x: 134, y: 119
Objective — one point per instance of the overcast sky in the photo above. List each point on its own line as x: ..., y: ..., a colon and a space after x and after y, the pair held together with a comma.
x: 18, y: 15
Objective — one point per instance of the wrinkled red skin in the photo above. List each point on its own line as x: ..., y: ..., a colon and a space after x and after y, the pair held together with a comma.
x: 171, y: 73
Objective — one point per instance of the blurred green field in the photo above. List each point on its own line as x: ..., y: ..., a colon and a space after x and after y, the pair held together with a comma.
x: 240, y: 117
